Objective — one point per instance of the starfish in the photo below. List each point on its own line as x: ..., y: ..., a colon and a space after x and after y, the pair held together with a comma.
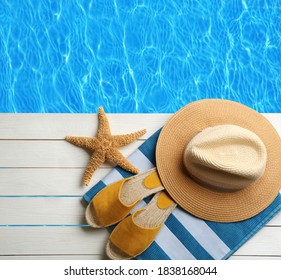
x: 105, y: 146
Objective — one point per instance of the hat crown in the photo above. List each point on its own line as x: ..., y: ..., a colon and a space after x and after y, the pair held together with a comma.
x: 225, y: 157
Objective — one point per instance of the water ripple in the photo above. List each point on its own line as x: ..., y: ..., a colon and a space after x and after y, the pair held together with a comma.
x: 138, y: 56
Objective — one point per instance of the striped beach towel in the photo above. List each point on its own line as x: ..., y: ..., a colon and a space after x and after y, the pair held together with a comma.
x: 184, y: 236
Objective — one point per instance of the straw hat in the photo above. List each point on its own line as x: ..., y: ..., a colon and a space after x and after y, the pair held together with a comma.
x: 220, y: 160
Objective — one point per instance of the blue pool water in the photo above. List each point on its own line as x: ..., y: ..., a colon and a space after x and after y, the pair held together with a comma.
x: 138, y: 56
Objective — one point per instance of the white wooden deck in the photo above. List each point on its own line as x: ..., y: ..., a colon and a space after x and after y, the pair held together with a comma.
x: 41, y: 210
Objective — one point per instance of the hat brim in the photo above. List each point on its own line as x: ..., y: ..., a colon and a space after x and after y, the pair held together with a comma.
x: 206, y: 203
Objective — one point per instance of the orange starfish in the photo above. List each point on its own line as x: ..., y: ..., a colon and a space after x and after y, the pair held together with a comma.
x: 104, y: 147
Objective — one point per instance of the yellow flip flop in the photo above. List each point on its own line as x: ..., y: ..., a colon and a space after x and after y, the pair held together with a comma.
x: 115, y: 201
x: 134, y: 235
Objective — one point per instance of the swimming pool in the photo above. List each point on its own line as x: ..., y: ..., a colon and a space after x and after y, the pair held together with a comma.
x: 138, y: 56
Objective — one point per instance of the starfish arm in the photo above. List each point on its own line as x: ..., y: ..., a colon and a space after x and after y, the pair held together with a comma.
x: 103, y: 128
x: 83, y: 142
x: 114, y: 156
x: 123, y: 140
x: 97, y: 159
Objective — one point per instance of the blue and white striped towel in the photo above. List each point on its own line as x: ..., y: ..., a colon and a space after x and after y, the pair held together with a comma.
x: 185, y: 236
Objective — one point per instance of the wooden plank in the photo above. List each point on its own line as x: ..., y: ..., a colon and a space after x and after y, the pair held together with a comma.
x: 52, y: 240
x: 52, y: 154
x: 46, y: 181
x: 77, y: 240
x: 275, y: 221
x: 104, y: 257
x: 275, y: 119
x: 55, y: 257
x: 57, y: 126
x: 266, y: 242
x: 52, y: 211
x: 42, y: 211
x: 237, y: 257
